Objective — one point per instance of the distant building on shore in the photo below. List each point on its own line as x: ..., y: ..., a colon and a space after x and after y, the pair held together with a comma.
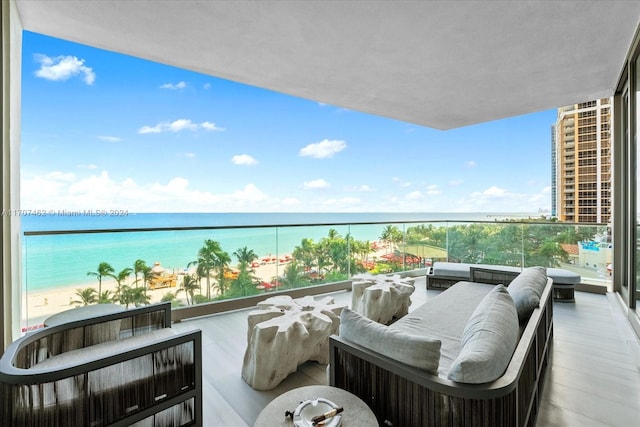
x: 581, y: 156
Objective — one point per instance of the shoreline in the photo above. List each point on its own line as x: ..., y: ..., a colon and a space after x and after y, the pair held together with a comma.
x: 39, y: 304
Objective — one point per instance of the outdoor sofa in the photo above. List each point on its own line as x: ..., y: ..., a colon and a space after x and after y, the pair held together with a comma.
x: 461, y: 359
x: 444, y: 274
x: 120, y: 369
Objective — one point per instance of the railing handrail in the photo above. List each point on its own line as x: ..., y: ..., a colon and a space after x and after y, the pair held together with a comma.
x: 329, y: 224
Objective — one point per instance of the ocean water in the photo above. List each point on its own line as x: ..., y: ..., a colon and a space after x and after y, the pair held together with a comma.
x: 64, y: 259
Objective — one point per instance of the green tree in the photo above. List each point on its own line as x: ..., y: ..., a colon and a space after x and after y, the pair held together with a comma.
x: 245, y: 255
x: 86, y: 296
x: 292, y: 276
x: 337, y: 250
x: 189, y: 286
x: 211, y: 258
x: 171, y: 297
x: 139, y: 267
x: 121, y: 277
x: 222, y: 261
x: 206, y: 262
x: 391, y: 235
x: 244, y: 283
x: 105, y: 297
x: 136, y: 296
x: 306, y: 254
x: 104, y: 270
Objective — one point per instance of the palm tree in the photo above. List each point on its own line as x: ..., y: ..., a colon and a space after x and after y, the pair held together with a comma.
x: 105, y: 297
x: 189, y: 287
x: 391, y: 235
x: 245, y: 277
x: 136, y: 296
x: 147, y: 274
x: 104, y: 270
x: 306, y: 253
x: 245, y: 255
x: 87, y: 296
x: 120, y: 278
x: 139, y: 267
x: 208, y: 260
x: 221, y: 264
x: 292, y: 277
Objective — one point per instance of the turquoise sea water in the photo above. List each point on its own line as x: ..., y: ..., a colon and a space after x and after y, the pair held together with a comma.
x: 55, y: 260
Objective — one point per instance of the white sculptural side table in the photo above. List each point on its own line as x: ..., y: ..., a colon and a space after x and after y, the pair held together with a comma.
x: 284, y: 333
x: 381, y: 298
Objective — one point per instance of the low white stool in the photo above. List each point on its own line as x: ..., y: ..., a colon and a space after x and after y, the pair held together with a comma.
x: 383, y: 299
x: 284, y: 333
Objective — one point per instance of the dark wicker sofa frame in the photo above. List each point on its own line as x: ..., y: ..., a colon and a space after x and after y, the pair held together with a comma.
x: 401, y: 395
x: 169, y: 392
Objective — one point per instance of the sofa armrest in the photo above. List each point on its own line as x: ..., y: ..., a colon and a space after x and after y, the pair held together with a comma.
x: 33, y: 348
x: 116, y: 383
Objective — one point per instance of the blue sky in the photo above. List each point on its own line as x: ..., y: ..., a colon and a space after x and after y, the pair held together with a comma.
x: 102, y: 130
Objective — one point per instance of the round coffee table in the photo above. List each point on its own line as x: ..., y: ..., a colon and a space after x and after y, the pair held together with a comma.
x: 356, y: 412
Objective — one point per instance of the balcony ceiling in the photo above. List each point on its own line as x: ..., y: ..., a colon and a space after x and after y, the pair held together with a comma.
x: 441, y: 64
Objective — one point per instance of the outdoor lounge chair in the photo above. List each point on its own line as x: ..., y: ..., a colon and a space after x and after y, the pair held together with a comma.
x: 75, y: 374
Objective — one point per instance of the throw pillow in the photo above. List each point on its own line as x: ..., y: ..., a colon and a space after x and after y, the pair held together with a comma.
x: 417, y: 351
x: 526, y: 290
x: 489, y: 339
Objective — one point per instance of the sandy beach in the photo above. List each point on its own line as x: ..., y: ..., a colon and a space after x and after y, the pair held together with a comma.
x: 40, y: 304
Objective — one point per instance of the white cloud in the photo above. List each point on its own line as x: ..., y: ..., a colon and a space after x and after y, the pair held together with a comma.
x: 291, y: 202
x: 56, y: 191
x: 316, y: 184
x: 109, y: 138
x: 60, y: 176
x: 250, y: 193
x: 433, y: 190
x: 244, y: 160
x: 323, y: 149
x: 181, y: 124
x: 364, y: 188
x: 471, y: 164
x: 541, y: 198
x: 189, y: 155
x: 88, y: 167
x: 494, y: 191
x: 171, y: 86
x: 150, y: 129
x: 178, y: 126
x: 496, y: 199
x: 206, y: 86
x: 400, y: 182
x: 63, y: 68
x: 88, y: 189
x: 210, y: 126
x: 456, y: 182
x: 342, y: 203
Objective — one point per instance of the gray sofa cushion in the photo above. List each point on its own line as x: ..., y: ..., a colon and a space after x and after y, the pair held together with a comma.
x: 526, y: 290
x: 561, y: 276
x: 443, y: 318
x: 489, y: 339
x: 418, y: 351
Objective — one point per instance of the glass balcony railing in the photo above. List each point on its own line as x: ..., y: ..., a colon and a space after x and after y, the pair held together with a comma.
x: 206, y: 267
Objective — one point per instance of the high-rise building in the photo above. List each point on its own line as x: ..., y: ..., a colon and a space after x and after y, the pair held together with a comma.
x: 582, y: 166
x: 554, y: 173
